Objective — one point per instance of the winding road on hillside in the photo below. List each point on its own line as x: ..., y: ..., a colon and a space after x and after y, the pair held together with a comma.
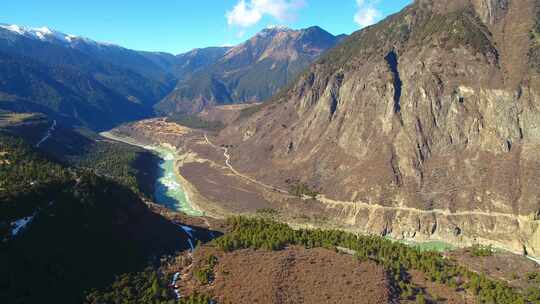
x: 235, y: 172
x: 360, y: 205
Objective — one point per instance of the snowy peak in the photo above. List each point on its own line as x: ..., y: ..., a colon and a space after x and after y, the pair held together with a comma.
x: 14, y: 28
x: 41, y: 33
x: 48, y: 35
x: 273, y: 30
x: 278, y: 28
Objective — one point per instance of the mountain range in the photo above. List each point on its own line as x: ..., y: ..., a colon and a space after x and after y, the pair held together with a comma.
x: 252, y: 71
x: 99, y: 85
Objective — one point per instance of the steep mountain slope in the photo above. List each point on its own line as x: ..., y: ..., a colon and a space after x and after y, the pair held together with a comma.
x: 149, y: 64
x: 252, y: 71
x: 425, y: 125
x: 66, y: 93
x: 196, y: 60
x: 78, y: 80
x: 70, y: 229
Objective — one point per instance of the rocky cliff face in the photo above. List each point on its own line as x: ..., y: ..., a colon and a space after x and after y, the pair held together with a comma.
x: 426, y: 125
x: 251, y: 71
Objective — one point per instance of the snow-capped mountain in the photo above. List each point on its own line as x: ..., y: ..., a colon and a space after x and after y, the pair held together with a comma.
x: 39, y: 42
x: 78, y: 80
x: 50, y: 35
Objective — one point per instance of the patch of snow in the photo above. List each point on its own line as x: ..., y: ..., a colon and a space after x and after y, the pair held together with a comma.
x: 40, y: 36
x: 272, y: 29
x: 41, y: 33
x: 191, y: 245
x: 189, y: 232
x: 278, y: 27
x: 46, y: 34
x: 69, y: 38
x: 44, y: 30
x: 20, y: 224
x: 14, y: 28
x: 173, y: 284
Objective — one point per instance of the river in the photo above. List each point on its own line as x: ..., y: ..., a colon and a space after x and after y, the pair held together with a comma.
x: 168, y: 188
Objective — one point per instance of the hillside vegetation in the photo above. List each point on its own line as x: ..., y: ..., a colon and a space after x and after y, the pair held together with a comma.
x: 85, y: 229
x: 398, y: 259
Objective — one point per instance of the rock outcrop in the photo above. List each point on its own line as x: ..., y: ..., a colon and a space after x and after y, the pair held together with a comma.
x: 426, y: 125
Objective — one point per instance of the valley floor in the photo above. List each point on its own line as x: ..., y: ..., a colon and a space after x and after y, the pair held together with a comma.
x: 215, y: 186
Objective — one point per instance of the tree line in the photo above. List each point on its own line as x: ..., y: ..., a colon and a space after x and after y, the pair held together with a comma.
x: 395, y: 257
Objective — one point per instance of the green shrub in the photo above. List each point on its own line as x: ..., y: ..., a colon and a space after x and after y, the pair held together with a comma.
x: 533, y: 277
x: 301, y: 189
x: 267, y: 212
x: 142, y: 287
x: 420, y: 299
x: 481, y: 251
x: 196, y: 299
x: 205, y: 274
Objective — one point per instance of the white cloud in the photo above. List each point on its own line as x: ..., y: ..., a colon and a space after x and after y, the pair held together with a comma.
x: 250, y: 12
x: 366, y: 14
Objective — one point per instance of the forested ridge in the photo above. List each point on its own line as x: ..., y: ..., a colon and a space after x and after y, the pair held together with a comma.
x: 397, y: 258
x: 85, y: 229
x: 131, y: 166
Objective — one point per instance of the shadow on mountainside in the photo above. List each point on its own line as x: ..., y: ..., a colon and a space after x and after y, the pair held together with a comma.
x: 86, y: 234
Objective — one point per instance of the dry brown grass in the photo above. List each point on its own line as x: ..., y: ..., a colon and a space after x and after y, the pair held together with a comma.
x: 293, y: 275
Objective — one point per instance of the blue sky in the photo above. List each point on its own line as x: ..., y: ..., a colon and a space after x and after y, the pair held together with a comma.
x: 177, y: 26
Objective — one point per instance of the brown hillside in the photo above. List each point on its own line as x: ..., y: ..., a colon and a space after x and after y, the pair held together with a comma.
x: 431, y: 115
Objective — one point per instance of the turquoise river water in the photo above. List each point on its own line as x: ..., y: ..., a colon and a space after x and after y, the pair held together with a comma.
x: 168, y: 189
